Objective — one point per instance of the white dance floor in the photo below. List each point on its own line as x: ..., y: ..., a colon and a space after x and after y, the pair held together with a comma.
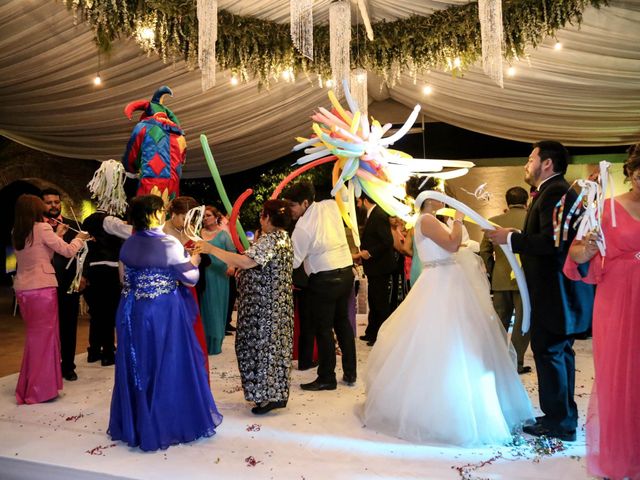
x: 319, y: 436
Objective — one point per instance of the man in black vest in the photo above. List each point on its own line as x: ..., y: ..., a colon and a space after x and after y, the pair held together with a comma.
x: 376, y: 253
x: 560, y: 308
x: 103, y: 287
x: 68, y: 303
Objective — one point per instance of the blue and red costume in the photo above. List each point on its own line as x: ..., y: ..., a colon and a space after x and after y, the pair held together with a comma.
x: 157, y: 148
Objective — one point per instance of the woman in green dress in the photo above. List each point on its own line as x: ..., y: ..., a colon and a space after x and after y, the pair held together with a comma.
x: 214, y: 301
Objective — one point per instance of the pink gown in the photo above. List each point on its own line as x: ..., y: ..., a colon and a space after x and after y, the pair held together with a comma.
x: 613, y: 418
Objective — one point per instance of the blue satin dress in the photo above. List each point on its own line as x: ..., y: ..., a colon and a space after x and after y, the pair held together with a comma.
x: 161, y: 395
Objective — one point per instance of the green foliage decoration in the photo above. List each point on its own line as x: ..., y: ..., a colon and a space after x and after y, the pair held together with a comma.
x: 255, y: 48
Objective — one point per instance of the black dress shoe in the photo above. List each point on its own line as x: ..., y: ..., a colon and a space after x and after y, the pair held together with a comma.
x: 371, y: 343
x: 106, y: 361
x: 305, y: 366
x: 364, y: 338
x: 539, y: 430
x: 230, y: 328
x: 93, y: 357
x: 317, y: 385
x: 265, y: 407
x: 70, y: 376
x: 228, y: 333
x: 523, y: 369
x: 349, y: 379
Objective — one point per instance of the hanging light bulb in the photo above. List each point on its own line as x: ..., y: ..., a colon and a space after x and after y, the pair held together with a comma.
x: 234, y: 80
x: 287, y: 75
x: 97, y: 80
x: 427, y: 90
x: 328, y: 83
x: 147, y: 33
x: 511, y: 71
x: 457, y: 62
x: 557, y: 46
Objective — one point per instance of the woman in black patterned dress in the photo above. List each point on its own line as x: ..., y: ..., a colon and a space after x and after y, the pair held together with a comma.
x: 264, y: 339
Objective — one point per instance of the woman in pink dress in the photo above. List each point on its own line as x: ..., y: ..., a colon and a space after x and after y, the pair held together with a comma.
x: 613, y: 421
x: 35, y: 284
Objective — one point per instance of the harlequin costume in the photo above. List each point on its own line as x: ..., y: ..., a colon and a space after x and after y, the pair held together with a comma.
x: 157, y: 148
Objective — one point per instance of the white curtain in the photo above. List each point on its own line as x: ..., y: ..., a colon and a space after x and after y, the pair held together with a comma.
x: 588, y: 93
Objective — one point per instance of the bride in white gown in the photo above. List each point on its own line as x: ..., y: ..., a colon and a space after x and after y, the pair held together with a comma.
x: 440, y: 371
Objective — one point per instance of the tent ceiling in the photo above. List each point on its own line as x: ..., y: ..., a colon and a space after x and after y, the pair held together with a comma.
x: 586, y: 94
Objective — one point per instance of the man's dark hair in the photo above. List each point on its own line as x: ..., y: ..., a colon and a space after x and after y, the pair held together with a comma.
x: 366, y: 197
x: 48, y: 191
x: 516, y: 196
x: 300, y: 191
x: 556, y: 152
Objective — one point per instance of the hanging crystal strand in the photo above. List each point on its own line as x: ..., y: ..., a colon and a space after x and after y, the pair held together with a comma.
x: 302, y: 26
x: 490, y: 13
x: 339, y: 42
x: 207, y: 36
x: 358, y: 88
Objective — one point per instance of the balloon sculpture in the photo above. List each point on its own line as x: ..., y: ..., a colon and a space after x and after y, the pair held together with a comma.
x: 363, y: 161
x: 157, y: 148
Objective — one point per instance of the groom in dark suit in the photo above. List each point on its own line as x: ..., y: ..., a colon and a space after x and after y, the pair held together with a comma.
x: 378, y: 263
x: 560, y: 308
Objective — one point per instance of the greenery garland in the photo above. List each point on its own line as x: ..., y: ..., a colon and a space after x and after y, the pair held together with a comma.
x: 262, y: 49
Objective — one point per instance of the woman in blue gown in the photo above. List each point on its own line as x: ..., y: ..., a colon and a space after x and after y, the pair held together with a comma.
x: 161, y: 396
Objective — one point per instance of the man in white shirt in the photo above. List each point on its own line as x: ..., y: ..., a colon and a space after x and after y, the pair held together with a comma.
x: 320, y: 244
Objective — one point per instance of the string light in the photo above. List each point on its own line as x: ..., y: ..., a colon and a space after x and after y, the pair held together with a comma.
x: 97, y: 81
x: 147, y: 33
x: 457, y: 62
x: 511, y: 71
x: 558, y: 46
x: 328, y: 83
x: 234, y: 80
x: 287, y: 75
x: 427, y: 90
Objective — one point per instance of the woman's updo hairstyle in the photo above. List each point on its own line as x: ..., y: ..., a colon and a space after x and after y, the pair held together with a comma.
x: 279, y: 213
x: 181, y: 205
x: 141, y: 210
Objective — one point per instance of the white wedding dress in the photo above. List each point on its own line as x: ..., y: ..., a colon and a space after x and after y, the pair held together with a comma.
x: 440, y: 371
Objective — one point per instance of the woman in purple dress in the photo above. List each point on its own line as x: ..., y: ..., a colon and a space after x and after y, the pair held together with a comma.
x: 161, y: 396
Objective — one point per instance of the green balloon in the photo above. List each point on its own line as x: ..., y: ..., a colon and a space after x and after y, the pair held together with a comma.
x: 213, y: 168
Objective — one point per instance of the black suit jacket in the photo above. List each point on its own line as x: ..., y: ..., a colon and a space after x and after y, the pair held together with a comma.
x: 65, y: 275
x: 378, y: 241
x: 558, y: 305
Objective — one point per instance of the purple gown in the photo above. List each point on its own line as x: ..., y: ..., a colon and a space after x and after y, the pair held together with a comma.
x: 161, y: 395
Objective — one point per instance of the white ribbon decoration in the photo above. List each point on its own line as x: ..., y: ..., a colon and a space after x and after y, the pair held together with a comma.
x: 193, y: 223
x: 484, y: 223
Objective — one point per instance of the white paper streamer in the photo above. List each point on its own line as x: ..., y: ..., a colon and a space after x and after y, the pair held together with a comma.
x: 207, y: 11
x: 107, y: 187
x: 491, y: 29
x: 483, y: 223
x: 193, y: 223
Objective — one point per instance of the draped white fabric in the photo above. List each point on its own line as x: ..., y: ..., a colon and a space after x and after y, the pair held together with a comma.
x: 588, y: 93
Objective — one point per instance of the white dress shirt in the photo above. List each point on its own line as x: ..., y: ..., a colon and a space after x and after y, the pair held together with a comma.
x: 319, y: 239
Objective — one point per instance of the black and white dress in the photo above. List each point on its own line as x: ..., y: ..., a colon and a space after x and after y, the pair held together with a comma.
x: 264, y: 340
